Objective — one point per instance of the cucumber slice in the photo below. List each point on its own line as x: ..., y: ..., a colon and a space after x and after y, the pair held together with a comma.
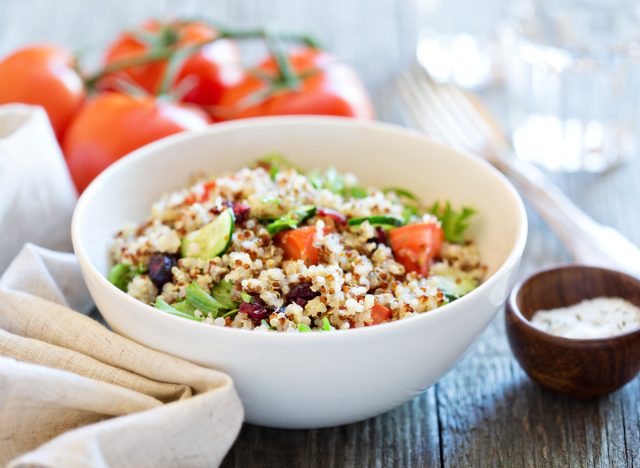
x: 292, y: 219
x: 377, y: 221
x: 455, y: 284
x: 120, y: 276
x: 211, y: 240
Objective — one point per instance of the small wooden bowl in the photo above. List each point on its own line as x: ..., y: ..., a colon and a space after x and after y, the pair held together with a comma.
x: 582, y: 368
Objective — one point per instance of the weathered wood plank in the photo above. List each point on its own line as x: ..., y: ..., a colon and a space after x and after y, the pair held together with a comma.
x: 404, y: 437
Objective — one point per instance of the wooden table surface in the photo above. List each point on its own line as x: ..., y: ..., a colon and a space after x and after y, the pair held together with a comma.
x: 485, y: 412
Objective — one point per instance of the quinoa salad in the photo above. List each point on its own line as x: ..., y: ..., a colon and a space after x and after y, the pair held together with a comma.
x: 271, y: 247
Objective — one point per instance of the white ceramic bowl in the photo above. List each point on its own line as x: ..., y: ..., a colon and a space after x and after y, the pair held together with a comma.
x: 306, y: 380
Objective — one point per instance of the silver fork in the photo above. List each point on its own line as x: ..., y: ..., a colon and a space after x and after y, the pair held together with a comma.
x: 459, y: 120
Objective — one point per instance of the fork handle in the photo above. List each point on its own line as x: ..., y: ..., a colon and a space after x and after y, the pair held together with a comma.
x: 588, y: 241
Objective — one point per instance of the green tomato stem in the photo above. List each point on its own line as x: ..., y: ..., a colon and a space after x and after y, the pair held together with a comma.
x: 177, y: 56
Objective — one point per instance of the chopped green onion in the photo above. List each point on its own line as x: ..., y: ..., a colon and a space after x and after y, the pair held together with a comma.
x: 121, y: 275
x: 246, y: 297
x: 401, y: 192
x: 292, y: 219
x: 221, y: 292
x: 315, y: 178
x: 454, y: 223
x: 326, y: 325
x: 358, y: 192
x: 267, y: 324
x: 274, y: 163
x: 334, y: 181
x: 303, y: 327
x: 408, y: 212
x: 331, y: 180
x: 377, y: 221
x: 184, y: 307
x: 201, y: 300
x: 271, y: 200
x: 230, y: 313
x: 164, y: 307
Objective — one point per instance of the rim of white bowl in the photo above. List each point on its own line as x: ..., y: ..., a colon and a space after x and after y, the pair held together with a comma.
x: 140, y: 153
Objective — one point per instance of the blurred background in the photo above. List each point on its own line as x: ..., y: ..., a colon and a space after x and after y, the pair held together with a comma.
x: 375, y: 36
x: 559, y: 75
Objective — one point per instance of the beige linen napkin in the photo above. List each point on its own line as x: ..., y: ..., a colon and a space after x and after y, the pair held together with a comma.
x: 36, y: 193
x: 72, y: 393
x: 86, y: 374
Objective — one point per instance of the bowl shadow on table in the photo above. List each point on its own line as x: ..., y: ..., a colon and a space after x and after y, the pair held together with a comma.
x: 516, y: 422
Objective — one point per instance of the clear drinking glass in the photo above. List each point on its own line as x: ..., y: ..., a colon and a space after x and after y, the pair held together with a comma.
x: 458, y: 40
x: 573, y: 78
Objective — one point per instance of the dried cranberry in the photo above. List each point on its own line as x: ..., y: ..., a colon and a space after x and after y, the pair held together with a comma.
x: 160, y: 266
x: 301, y: 293
x: 381, y: 236
x: 240, y: 211
x: 256, y: 312
x: 332, y: 214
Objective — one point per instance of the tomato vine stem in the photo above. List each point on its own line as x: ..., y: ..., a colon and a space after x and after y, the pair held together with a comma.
x: 176, y: 55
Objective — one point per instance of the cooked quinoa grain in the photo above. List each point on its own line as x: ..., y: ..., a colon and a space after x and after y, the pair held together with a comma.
x: 272, y: 248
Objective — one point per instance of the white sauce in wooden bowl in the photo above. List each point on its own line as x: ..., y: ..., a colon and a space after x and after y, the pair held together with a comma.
x: 601, y: 317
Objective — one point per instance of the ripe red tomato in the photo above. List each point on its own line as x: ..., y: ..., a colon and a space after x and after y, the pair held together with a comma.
x: 210, y: 71
x: 43, y: 75
x: 298, y: 244
x: 113, y: 124
x: 327, y: 87
x: 414, y: 246
x: 380, y: 314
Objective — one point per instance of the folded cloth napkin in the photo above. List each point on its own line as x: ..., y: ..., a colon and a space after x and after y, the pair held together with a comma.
x: 36, y: 193
x: 72, y: 393
x: 92, y: 397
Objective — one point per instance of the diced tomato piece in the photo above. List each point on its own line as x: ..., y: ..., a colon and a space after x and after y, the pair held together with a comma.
x: 207, y: 187
x: 298, y: 244
x: 380, y: 314
x: 416, y: 245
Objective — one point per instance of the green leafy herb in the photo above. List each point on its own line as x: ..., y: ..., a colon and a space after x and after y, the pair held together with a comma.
x: 302, y: 327
x: 201, y: 300
x: 401, y: 193
x: 454, y: 223
x: 326, y: 325
x: 315, y: 178
x: 292, y: 219
x: 331, y: 180
x: 221, y: 292
x: 230, y: 313
x: 408, y: 212
x: 274, y: 163
x: 376, y: 221
x: 246, y: 297
x: 164, y: 307
x: 271, y: 200
x: 334, y: 181
x: 358, y: 192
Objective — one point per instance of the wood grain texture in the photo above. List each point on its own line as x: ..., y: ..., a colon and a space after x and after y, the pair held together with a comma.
x: 486, y: 412
x: 580, y: 368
